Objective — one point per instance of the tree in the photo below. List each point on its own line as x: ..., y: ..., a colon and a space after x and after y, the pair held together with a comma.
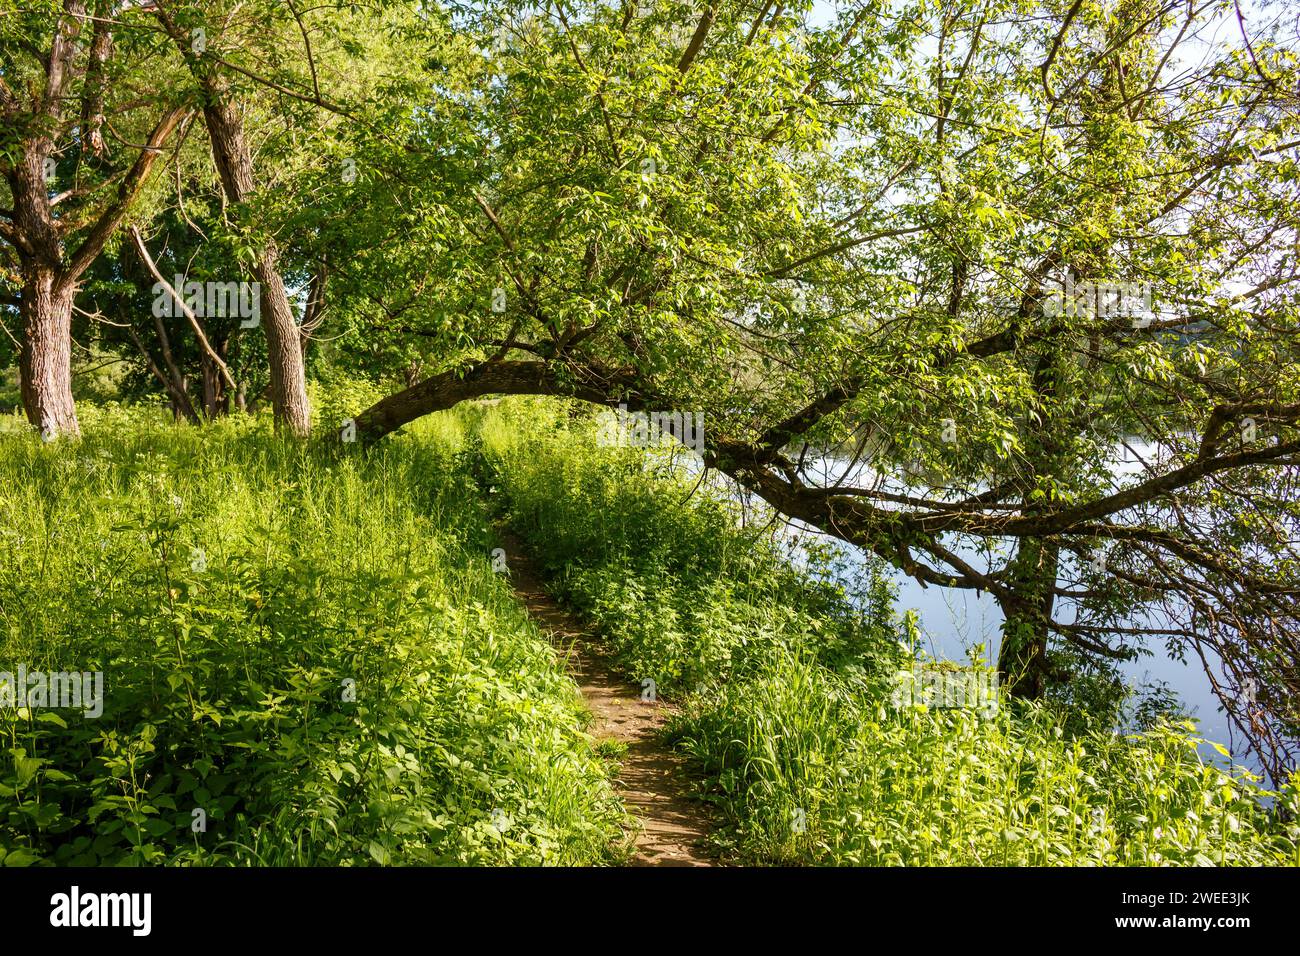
x: 976, y: 249
x: 197, y: 36
x: 69, y: 185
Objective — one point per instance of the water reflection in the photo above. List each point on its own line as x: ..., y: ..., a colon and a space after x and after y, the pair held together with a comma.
x: 955, y: 621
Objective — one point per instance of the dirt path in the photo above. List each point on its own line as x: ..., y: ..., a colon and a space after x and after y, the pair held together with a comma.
x: 650, y: 779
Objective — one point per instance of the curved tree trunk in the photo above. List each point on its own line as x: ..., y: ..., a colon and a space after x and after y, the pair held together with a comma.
x: 601, y: 386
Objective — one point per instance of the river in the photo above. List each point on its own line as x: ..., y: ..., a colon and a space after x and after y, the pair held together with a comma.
x: 954, y: 621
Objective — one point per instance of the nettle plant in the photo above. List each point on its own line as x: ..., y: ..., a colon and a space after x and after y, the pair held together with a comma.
x: 288, y: 677
x: 1028, y: 266
x: 788, y: 697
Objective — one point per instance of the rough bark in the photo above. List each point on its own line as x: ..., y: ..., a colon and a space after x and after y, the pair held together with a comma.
x: 1031, y: 575
x: 50, y: 275
x: 46, y: 358
x: 234, y: 162
x: 284, y: 349
x: 1022, y: 657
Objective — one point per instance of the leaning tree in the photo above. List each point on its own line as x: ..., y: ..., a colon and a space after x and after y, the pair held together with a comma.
x: 981, y: 250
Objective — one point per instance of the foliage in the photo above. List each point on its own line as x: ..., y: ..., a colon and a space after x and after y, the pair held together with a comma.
x: 617, y: 530
x: 785, y: 704
x: 228, y: 584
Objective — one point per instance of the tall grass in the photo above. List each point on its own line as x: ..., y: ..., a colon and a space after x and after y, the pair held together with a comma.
x: 784, y: 692
x: 307, y: 659
x: 309, y: 647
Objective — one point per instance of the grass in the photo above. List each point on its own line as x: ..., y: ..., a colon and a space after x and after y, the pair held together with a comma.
x: 784, y: 685
x: 307, y: 659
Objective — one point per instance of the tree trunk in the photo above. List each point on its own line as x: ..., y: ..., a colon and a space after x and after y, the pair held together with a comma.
x: 46, y: 360
x: 602, y: 386
x: 283, y: 346
x: 49, y: 274
x: 216, y: 400
x: 314, y: 313
x: 234, y: 164
x: 1022, y: 658
x: 174, y: 384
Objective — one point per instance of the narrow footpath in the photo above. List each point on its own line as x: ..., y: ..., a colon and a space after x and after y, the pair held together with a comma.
x: 651, y: 778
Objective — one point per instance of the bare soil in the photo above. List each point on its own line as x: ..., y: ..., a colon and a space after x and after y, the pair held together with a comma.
x: 651, y: 779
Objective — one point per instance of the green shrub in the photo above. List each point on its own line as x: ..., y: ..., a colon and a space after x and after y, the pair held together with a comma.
x: 309, y: 648
x: 871, y: 785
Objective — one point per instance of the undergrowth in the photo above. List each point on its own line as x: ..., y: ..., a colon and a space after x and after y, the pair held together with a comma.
x: 783, y: 685
x: 306, y: 659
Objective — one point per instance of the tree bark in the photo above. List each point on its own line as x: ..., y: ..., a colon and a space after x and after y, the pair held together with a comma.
x: 314, y: 313
x: 442, y: 391
x: 46, y: 359
x: 234, y: 164
x: 283, y: 348
x: 178, y: 388
x: 175, y: 386
x: 283, y: 340
x: 1031, y: 578
x: 49, y: 275
x: 216, y: 399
